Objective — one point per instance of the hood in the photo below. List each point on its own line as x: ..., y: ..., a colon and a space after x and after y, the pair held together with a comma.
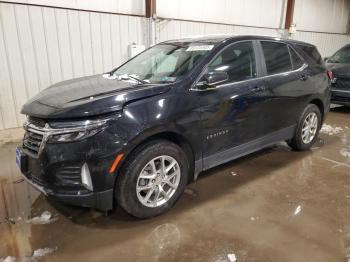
x: 87, y: 96
x: 339, y: 68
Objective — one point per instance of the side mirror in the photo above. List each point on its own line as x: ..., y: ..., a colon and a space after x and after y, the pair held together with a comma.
x: 211, y: 79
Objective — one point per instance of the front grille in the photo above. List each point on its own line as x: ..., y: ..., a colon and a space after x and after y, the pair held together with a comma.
x: 342, y: 82
x: 36, y: 121
x: 32, y: 141
x: 33, y: 137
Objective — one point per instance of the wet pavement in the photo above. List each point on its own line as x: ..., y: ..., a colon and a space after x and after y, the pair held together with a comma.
x: 274, y: 205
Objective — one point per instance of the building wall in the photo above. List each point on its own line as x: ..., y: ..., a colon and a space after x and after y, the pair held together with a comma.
x: 330, y: 16
x: 261, y: 13
x: 135, y: 7
x: 40, y: 46
x: 326, y: 43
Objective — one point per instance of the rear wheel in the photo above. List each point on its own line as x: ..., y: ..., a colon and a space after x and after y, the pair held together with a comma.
x: 307, y: 129
x: 153, y: 179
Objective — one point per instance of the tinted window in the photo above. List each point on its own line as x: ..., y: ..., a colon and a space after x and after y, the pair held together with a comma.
x: 312, y: 52
x: 296, y: 60
x: 342, y: 56
x: 237, y: 60
x: 276, y: 57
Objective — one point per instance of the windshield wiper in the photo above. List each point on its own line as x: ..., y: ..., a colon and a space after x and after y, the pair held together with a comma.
x: 138, y: 79
x: 126, y: 77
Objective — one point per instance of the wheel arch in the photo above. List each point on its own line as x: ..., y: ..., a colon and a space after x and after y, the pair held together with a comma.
x: 170, y: 136
x: 318, y: 102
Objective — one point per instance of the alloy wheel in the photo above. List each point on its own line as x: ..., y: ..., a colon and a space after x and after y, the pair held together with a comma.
x: 309, y: 128
x: 158, y: 181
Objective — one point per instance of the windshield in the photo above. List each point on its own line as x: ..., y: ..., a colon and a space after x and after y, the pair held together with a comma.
x: 164, y: 63
x: 342, y: 56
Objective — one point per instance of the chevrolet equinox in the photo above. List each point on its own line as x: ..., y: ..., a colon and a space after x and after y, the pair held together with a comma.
x: 139, y: 133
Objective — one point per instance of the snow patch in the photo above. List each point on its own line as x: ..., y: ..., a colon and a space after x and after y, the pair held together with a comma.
x: 8, y: 259
x: 344, y: 152
x: 297, y: 210
x: 232, y: 257
x: 44, y: 218
x: 42, y: 252
x: 39, y: 253
x: 330, y: 130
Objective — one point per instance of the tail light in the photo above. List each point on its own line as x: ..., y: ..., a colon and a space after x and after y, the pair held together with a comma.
x: 330, y: 74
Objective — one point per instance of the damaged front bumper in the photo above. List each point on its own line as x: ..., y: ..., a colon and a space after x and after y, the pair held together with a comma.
x: 74, y: 174
x: 100, y: 200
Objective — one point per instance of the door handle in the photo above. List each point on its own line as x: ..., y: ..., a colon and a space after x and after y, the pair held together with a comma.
x: 303, y: 77
x: 259, y: 89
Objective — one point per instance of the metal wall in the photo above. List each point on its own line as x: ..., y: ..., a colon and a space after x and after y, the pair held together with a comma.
x: 261, y: 13
x: 330, y: 16
x: 40, y: 46
x: 326, y: 43
x: 171, y: 29
x: 135, y: 7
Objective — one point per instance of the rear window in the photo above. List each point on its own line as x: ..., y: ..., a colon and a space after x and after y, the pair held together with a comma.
x: 277, y: 57
x: 312, y: 53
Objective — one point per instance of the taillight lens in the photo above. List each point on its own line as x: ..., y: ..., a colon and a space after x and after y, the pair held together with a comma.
x: 330, y: 74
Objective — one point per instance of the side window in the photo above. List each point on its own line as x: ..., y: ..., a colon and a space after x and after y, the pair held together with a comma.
x: 277, y: 57
x: 237, y: 60
x: 296, y: 60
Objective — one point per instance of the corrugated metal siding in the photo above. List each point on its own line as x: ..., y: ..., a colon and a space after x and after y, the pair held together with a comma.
x: 171, y: 29
x: 40, y: 46
x: 262, y: 13
x: 135, y: 7
x: 322, y: 15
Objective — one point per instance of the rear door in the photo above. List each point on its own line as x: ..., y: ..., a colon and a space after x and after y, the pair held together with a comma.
x: 286, y: 76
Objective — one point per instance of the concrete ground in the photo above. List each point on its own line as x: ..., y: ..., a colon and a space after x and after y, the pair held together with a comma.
x: 275, y: 205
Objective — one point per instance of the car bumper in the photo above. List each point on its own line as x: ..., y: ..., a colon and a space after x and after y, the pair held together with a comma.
x: 341, y: 97
x: 57, y: 172
x: 99, y: 200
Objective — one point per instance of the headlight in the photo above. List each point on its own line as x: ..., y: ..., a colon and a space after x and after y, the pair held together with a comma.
x: 60, y: 132
x: 74, y: 136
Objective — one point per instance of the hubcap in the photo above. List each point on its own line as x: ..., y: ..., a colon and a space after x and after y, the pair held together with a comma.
x: 309, y: 129
x: 158, y: 181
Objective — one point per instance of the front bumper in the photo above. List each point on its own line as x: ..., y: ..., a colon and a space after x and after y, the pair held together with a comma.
x: 340, y: 96
x: 57, y: 171
x: 100, y: 200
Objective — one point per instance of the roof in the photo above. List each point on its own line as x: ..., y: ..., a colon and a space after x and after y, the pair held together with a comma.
x: 220, y: 38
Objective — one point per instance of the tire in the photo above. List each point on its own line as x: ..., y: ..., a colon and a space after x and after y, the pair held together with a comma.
x: 156, y: 152
x: 297, y: 142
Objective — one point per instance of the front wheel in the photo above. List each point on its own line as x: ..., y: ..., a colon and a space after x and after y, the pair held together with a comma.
x: 153, y: 179
x: 307, y: 129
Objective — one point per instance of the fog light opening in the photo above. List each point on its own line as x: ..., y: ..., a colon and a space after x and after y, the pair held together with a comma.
x: 86, y: 177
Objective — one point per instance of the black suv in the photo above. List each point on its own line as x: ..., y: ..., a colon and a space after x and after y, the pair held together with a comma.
x: 140, y: 133
x: 339, y: 64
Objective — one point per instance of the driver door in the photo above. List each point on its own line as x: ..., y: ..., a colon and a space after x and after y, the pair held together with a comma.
x: 232, y: 112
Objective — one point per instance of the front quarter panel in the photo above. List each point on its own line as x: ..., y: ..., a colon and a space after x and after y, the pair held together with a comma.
x: 172, y: 112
